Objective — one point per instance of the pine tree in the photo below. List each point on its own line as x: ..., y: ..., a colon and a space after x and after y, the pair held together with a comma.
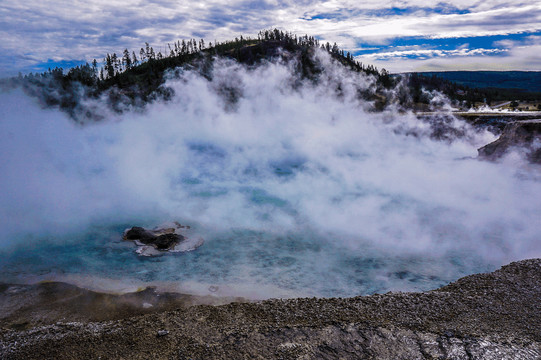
x: 126, y: 60
x: 109, y: 68
x: 147, y: 50
x: 116, y: 64
x: 142, y: 54
x: 134, y: 60
x: 184, y: 47
x: 95, y: 68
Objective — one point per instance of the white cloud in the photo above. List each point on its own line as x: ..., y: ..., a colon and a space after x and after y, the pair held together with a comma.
x: 34, y: 31
x: 493, y: 22
x: 431, y: 53
x: 519, y: 55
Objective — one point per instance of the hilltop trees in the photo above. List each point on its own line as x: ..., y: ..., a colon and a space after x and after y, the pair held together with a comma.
x: 184, y: 50
x: 130, y: 65
x: 85, y: 74
x: 139, y: 78
x: 134, y: 60
x: 126, y: 60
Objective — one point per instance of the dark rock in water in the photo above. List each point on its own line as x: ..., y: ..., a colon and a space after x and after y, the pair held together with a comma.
x: 519, y: 134
x: 167, y: 241
x: 162, y: 238
x: 140, y: 234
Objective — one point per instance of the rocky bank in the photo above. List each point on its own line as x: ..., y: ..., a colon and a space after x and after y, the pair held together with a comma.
x: 524, y: 136
x: 483, y: 316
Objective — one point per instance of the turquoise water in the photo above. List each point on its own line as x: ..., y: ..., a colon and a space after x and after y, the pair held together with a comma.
x: 295, y: 264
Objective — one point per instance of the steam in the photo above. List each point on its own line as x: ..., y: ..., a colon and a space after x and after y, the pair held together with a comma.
x: 253, y: 151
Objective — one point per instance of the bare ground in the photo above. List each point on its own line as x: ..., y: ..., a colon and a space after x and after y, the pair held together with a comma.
x: 483, y: 316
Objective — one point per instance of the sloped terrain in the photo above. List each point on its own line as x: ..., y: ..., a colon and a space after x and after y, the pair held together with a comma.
x: 483, y: 316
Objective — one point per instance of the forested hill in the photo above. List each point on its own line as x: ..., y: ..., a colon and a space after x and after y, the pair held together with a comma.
x: 135, y: 78
x: 138, y: 77
x: 149, y: 69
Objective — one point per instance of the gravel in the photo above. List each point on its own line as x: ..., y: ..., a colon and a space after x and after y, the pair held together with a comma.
x: 483, y: 316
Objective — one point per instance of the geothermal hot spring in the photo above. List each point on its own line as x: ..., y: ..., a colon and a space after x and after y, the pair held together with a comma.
x: 297, y: 189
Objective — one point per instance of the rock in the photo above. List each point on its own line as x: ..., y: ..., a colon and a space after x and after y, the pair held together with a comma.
x: 162, y: 333
x: 162, y: 238
x: 139, y: 234
x: 167, y: 241
x: 519, y: 134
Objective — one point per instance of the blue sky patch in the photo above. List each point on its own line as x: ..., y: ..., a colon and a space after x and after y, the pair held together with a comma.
x: 344, y: 14
x: 51, y: 64
x: 448, y: 44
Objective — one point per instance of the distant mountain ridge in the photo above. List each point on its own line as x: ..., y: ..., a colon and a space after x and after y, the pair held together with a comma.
x: 527, y: 81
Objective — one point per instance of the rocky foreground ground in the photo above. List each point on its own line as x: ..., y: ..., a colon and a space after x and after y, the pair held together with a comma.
x: 483, y: 316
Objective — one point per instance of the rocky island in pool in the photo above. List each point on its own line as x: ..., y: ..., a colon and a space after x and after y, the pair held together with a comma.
x: 164, y: 238
x: 482, y: 316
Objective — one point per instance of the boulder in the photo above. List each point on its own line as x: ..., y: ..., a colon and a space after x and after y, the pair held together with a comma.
x: 152, y: 242
x: 524, y: 135
x: 140, y: 234
x: 167, y: 241
x: 162, y: 239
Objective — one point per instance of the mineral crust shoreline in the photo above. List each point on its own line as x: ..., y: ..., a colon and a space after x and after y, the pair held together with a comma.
x: 482, y: 316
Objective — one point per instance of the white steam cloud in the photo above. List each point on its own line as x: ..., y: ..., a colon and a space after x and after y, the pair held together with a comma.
x: 283, y: 160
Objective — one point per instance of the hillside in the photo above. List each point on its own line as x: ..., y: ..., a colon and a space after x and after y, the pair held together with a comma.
x: 129, y: 80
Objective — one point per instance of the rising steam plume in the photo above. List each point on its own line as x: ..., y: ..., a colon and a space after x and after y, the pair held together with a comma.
x: 296, y: 185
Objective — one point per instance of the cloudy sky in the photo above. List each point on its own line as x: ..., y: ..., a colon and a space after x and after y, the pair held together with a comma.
x: 401, y: 35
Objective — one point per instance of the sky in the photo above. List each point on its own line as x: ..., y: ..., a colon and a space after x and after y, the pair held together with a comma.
x: 400, y: 36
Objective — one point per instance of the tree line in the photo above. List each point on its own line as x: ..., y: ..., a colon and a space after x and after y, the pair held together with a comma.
x: 114, y: 65
x: 138, y: 76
